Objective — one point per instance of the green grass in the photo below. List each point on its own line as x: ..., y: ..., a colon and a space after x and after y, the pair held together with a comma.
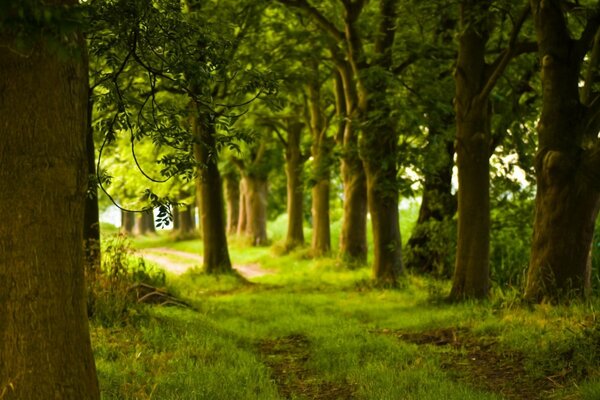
x: 335, y: 336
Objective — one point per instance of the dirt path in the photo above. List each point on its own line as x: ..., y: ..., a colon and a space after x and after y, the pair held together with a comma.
x: 178, y: 262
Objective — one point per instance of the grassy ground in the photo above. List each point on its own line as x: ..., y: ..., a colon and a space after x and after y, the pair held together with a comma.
x: 316, y: 330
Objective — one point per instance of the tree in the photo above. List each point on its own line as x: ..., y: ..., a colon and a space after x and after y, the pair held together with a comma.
x: 371, y: 76
x: 568, y: 156
x: 321, y: 152
x: 44, y: 335
x: 475, y: 80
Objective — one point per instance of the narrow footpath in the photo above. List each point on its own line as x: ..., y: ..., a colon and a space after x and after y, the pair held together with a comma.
x: 178, y: 262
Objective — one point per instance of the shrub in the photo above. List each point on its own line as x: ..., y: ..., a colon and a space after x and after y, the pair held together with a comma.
x: 111, y: 300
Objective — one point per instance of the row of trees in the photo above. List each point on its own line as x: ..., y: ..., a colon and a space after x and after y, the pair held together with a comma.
x: 351, y: 85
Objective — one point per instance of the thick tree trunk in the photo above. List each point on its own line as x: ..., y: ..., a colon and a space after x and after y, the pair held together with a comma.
x: 295, y: 188
x: 232, y: 196
x: 45, y: 350
x: 473, y: 142
x: 91, y: 224
x: 567, y: 165
x: 127, y: 222
x: 256, y: 209
x: 566, y: 208
x: 438, y: 206
x: 209, y: 186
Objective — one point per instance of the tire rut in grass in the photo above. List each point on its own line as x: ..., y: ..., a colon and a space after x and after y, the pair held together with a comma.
x: 483, y: 364
x: 287, y: 358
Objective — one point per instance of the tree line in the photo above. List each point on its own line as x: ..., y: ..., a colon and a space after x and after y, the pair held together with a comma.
x: 206, y: 96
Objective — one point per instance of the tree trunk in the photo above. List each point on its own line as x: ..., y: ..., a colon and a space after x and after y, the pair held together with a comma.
x: 187, y: 225
x: 295, y: 187
x: 144, y: 224
x: 175, y: 217
x: 473, y: 142
x: 243, y: 214
x: 232, y: 196
x: 127, y: 222
x: 383, y: 206
x: 321, y: 239
x: 45, y: 350
x: 353, y: 235
x: 91, y: 225
x: 438, y: 205
x: 321, y: 150
x: 209, y: 185
x: 567, y: 165
x: 256, y: 209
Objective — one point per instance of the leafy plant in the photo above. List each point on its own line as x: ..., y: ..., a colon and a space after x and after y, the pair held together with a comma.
x: 111, y: 298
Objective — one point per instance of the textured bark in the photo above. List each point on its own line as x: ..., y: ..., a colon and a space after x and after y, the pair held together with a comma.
x: 256, y: 209
x: 294, y: 163
x: 567, y: 162
x: 353, y: 235
x: 209, y: 186
x: 232, y: 197
x: 127, y: 222
x: 91, y: 224
x: 437, y: 205
x: 473, y: 142
x: 45, y: 350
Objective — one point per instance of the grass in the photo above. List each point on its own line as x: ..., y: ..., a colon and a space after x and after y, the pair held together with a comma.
x: 315, y: 329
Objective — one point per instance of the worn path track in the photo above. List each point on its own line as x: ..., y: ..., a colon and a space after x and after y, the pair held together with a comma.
x: 178, y: 262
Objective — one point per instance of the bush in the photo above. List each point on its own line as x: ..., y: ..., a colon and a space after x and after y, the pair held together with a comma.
x: 511, y: 235
x: 111, y: 298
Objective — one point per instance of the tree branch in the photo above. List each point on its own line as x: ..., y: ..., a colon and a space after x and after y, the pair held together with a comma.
x: 503, y: 59
x: 319, y: 18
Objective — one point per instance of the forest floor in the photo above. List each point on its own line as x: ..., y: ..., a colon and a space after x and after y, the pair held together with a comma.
x: 312, y: 329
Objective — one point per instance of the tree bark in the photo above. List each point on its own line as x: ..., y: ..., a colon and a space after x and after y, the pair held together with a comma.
x: 144, y: 224
x: 243, y: 214
x: 321, y: 239
x: 383, y: 206
x: 473, y: 142
x: 209, y: 185
x: 256, y: 208
x: 295, y: 187
x: 353, y: 235
x: 232, y: 196
x: 567, y: 162
x: 187, y: 225
x: 321, y: 150
x: 127, y: 222
x: 45, y: 350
